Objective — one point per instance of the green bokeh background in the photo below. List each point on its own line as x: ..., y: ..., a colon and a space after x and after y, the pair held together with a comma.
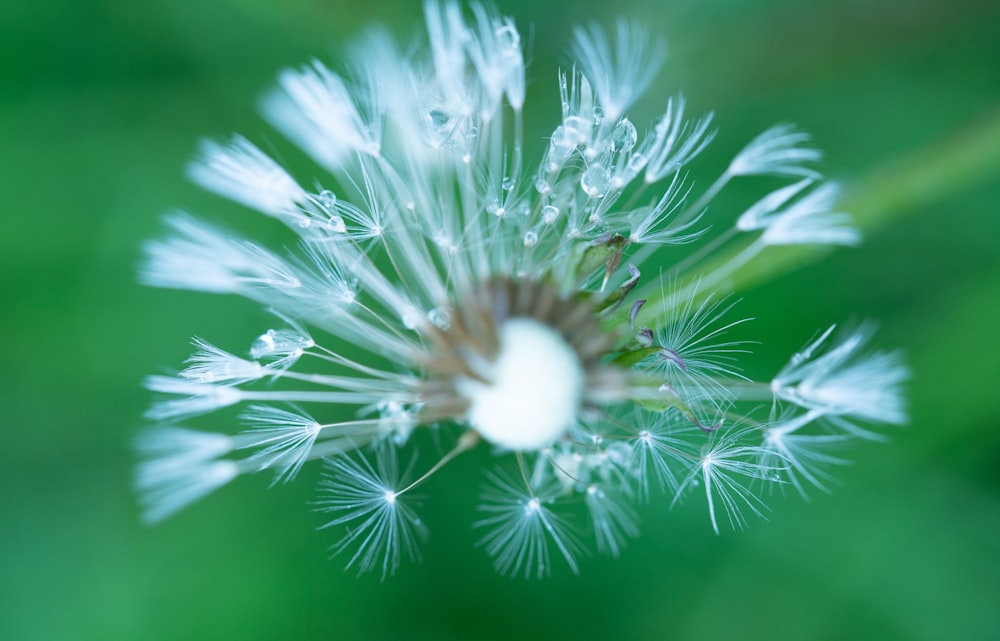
x: 101, y: 105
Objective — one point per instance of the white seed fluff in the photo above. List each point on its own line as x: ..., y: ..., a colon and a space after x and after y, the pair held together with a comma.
x: 536, y: 385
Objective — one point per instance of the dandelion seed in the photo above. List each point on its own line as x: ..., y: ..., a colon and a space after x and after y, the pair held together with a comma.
x: 778, y: 151
x: 179, y: 467
x: 661, y: 448
x: 454, y: 286
x: 212, y: 365
x: 521, y: 526
x: 843, y: 381
x: 243, y: 173
x: 676, y: 142
x: 611, y: 518
x: 725, y: 469
x: 805, y: 456
x: 367, y: 499
x: 283, y: 438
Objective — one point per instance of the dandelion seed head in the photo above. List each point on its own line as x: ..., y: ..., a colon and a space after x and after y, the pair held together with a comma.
x: 452, y: 283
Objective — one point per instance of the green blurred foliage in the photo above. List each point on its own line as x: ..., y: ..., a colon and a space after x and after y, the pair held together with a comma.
x: 101, y: 105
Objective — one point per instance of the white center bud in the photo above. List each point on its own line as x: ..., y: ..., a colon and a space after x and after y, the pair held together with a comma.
x: 535, y: 389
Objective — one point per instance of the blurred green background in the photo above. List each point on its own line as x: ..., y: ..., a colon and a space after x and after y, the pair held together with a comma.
x: 101, y: 105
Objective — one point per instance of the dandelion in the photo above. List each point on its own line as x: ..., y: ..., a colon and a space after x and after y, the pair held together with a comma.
x: 443, y: 291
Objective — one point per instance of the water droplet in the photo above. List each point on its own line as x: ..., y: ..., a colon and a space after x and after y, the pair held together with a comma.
x: 598, y: 115
x: 440, y: 317
x: 595, y: 180
x: 496, y: 209
x: 543, y: 186
x: 411, y: 317
x: 327, y: 199
x: 336, y: 224
x: 624, y: 136
x: 562, y: 143
x: 263, y: 344
x: 473, y: 131
x: 549, y: 214
x: 635, y: 163
x: 437, y: 126
x: 530, y: 239
x: 438, y: 119
x: 304, y: 222
x: 508, y: 183
x: 577, y: 128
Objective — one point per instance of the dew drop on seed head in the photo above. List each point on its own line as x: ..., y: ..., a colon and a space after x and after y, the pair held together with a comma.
x: 411, y: 317
x: 598, y: 115
x: 595, y: 181
x: 543, y: 186
x: 562, y: 143
x: 578, y: 129
x: 327, y: 199
x: 438, y: 119
x: 336, y: 224
x: 549, y: 214
x: 624, y: 136
x: 303, y: 222
x: 263, y: 344
x: 437, y: 128
x: 440, y: 318
x: 508, y: 183
x: 530, y: 239
x: 635, y: 163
